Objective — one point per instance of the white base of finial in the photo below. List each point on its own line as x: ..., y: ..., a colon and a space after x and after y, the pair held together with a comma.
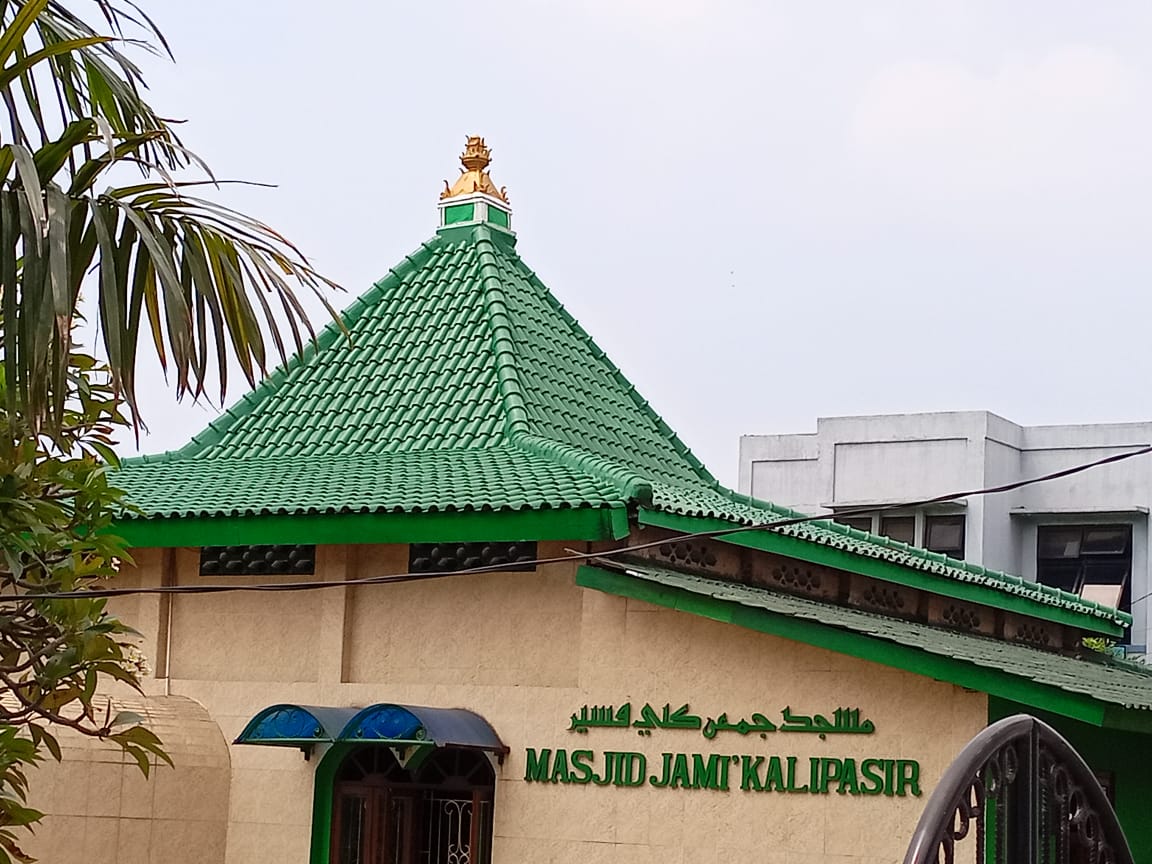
x: 483, y: 206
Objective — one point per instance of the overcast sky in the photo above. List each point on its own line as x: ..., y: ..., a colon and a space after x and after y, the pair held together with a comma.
x: 763, y: 212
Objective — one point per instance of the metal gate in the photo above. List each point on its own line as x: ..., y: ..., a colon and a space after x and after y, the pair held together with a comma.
x: 1018, y: 793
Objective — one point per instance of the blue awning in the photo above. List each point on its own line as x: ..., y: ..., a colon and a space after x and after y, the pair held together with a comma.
x: 386, y: 723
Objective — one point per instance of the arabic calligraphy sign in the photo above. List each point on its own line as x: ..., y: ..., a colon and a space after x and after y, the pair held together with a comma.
x: 719, y: 771
x: 846, y: 721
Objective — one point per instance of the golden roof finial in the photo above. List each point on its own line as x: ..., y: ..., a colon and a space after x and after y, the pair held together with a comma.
x: 476, y: 155
x: 474, y: 178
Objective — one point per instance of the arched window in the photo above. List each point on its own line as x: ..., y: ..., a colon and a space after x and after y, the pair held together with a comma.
x: 438, y: 811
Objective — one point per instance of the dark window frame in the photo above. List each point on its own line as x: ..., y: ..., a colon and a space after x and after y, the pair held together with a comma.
x: 886, y: 521
x: 943, y: 519
x: 920, y: 522
x: 1073, y: 572
x: 860, y: 523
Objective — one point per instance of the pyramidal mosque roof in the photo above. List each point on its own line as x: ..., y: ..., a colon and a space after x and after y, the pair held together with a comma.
x: 459, y: 385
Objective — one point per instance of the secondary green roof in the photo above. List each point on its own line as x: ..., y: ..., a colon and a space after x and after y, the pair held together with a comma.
x: 1095, y: 689
x: 462, y: 386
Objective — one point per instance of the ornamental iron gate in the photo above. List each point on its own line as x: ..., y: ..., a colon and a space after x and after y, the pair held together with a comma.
x: 1018, y: 793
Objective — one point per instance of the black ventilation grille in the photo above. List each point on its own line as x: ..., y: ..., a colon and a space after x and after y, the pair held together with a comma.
x: 450, y: 557
x: 257, y: 560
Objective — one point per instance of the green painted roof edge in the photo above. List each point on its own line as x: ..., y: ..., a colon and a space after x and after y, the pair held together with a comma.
x: 994, y: 682
x: 570, y: 523
x: 633, y: 394
x: 332, y: 331
x: 1091, y: 617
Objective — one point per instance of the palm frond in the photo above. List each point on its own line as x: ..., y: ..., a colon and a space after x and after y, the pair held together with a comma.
x: 198, y: 279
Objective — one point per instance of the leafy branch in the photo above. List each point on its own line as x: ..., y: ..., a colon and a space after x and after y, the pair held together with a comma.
x: 203, y: 281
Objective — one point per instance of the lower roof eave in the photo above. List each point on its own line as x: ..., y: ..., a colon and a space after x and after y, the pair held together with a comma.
x: 985, y: 679
x: 576, y: 523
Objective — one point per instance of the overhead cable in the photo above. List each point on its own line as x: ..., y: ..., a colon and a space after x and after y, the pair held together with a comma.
x: 774, y: 525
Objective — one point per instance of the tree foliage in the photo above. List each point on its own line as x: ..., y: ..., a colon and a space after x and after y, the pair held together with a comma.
x: 157, y: 261
x: 56, y: 507
x: 202, y: 280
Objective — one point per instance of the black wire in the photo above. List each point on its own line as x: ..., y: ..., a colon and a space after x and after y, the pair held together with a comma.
x: 775, y: 525
x: 1142, y: 597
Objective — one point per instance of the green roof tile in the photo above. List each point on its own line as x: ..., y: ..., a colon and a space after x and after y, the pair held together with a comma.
x: 462, y: 383
x: 497, y: 478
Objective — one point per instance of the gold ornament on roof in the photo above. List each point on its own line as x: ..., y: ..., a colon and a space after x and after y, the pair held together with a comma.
x: 474, y: 178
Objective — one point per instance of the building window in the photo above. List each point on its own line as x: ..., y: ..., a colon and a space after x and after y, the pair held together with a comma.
x: 944, y: 534
x: 935, y: 533
x: 902, y: 528
x: 1094, y: 561
x: 860, y: 523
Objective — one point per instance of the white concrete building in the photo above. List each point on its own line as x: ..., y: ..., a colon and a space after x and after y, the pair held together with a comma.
x: 1087, y: 533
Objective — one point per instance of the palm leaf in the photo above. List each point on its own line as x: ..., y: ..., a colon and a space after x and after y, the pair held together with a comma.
x: 207, y: 285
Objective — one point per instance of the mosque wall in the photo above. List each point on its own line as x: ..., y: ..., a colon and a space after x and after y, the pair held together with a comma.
x: 529, y: 651
x: 102, y: 810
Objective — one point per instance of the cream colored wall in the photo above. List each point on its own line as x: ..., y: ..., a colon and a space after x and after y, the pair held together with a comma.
x: 278, y: 635
x: 102, y: 810
x: 525, y: 650
x: 636, y: 652
x: 465, y: 630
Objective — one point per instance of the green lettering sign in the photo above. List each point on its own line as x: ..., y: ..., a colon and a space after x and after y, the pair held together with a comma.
x: 892, y: 777
x: 537, y: 769
x: 758, y: 773
x: 750, y: 773
x: 581, y: 766
x: 872, y: 772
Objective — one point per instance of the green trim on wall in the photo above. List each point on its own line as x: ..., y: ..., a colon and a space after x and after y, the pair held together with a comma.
x: 987, y: 680
x: 877, y: 568
x: 585, y: 523
x: 1127, y: 719
x: 459, y: 213
x: 322, y: 800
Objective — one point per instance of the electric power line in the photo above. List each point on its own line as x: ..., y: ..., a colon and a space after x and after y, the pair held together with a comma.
x: 95, y: 593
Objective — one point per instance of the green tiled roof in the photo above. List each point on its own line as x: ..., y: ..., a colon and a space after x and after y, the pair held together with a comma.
x: 463, y: 385
x: 1007, y: 669
x: 497, y: 478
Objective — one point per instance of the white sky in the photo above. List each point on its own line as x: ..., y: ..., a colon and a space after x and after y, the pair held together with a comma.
x: 764, y: 212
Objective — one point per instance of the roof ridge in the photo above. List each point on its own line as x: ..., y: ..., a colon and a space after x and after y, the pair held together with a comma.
x: 618, y: 376
x: 634, y: 487
x: 332, y: 331
x: 508, y: 382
